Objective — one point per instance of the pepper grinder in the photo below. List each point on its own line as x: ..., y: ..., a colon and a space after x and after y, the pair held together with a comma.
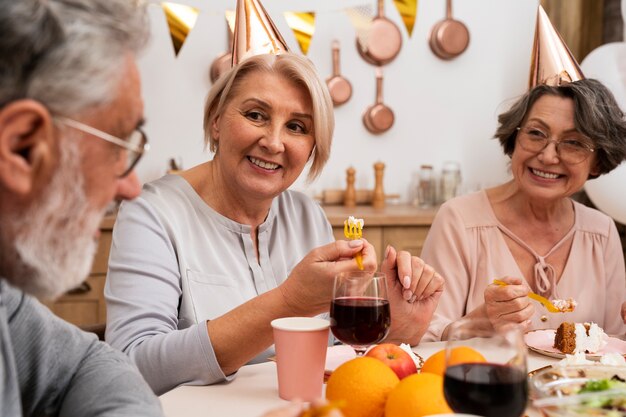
x: 349, y: 197
x: 378, y: 199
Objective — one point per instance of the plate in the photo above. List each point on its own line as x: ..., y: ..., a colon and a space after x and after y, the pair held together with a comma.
x: 337, y: 355
x: 541, y: 341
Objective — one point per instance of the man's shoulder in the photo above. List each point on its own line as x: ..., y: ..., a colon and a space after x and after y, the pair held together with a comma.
x: 10, y: 297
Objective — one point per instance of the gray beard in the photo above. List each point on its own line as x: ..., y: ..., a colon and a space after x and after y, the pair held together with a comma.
x: 48, y: 247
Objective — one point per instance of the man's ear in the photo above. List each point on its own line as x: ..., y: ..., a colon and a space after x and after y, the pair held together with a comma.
x: 27, y: 151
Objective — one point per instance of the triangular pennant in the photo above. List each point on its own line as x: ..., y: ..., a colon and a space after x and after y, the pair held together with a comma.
x: 361, y: 18
x: 180, y: 19
x: 303, y: 26
x: 408, y: 11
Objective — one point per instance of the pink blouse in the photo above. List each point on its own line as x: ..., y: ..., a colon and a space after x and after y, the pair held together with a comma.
x: 467, y: 246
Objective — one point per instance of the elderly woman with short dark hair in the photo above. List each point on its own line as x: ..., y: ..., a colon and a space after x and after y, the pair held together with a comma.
x: 529, y: 232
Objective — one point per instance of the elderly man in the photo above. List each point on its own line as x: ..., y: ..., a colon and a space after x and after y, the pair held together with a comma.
x: 70, y: 111
x: 70, y: 117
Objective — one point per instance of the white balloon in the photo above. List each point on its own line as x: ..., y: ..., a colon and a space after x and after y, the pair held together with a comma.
x: 608, y: 193
x: 608, y: 65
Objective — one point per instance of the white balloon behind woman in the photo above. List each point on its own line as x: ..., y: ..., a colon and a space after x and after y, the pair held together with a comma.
x: 608, y: 65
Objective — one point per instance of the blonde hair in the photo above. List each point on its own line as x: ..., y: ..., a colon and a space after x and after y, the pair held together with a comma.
x: 294, y: 68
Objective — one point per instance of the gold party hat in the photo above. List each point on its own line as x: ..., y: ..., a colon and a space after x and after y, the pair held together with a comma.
x: 552, y: 62
x: 255, y: 33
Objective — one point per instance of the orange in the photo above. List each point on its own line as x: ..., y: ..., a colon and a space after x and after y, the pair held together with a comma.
x: 436, y: 364
x: 417, y: 395
x: 363, y: 383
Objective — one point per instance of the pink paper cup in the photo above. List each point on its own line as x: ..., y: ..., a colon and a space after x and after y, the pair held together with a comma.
x: 301, y: 344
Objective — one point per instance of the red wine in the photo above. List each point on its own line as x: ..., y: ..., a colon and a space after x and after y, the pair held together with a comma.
x: 360, y: 321
x: 486, y: 389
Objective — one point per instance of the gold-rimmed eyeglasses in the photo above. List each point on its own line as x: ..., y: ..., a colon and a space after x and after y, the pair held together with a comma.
x: 570, y: 151
x: 136, y: 144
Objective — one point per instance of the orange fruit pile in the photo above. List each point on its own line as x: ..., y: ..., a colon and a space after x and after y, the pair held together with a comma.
x: 436, y: 364
x: 367, y: 387
x: 363, y: 383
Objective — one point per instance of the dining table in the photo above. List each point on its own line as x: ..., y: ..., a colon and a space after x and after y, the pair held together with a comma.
x: 254, y: 390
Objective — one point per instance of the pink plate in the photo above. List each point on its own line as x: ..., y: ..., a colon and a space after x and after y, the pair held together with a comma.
x: 541, y: 341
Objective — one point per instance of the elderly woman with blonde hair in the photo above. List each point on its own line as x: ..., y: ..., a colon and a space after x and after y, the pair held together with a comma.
x: 202, y: 262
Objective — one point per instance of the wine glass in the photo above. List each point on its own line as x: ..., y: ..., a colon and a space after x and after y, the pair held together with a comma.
x: 359, y: 312
x: 493, y: 387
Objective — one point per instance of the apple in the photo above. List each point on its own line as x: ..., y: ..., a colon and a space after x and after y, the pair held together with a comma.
x: 394, y: 357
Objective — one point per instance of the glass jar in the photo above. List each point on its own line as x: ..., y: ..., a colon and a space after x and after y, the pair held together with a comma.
x: 426, y: 187
x: 450, y: 180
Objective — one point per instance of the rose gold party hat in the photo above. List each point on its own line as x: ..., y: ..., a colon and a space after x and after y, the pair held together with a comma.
x: 255, y: 33
x: 552, y: 62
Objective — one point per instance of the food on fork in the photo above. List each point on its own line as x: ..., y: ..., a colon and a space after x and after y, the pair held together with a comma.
x: 579, y: 337
x: 566, y: 306
x: 353, y: 229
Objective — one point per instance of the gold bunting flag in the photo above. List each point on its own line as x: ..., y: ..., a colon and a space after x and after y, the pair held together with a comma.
x: 180, y: 19
x: 408, y: 11
x: 361, y: 18
x: 303, y: 26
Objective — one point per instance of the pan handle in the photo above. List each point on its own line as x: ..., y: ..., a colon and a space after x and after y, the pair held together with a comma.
x: 448, y: 9
x: 381, y: 8
x: 336, y: 69
x: 379, y: 85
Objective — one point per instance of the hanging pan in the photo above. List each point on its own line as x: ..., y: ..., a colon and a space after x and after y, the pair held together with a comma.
x: 384, y: 40
x: 449, y: 37
x: 222, y: 63
x: 340, y: 88
x: 378, y: 118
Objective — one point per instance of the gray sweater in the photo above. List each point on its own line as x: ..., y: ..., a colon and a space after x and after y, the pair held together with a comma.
x: 51, y: 368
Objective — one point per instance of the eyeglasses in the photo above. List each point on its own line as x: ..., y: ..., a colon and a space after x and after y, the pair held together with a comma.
x: 570, y: 151
x: 136, y: 144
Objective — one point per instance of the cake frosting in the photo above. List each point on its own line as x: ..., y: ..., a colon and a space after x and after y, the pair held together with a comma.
x: 565, y: 306
x: 579, y: 337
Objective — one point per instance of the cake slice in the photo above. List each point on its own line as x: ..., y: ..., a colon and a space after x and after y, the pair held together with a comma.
x: 579, y: 337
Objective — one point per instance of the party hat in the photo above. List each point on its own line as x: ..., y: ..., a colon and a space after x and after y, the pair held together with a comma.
x: 255, y: 33
x: 552, y: 62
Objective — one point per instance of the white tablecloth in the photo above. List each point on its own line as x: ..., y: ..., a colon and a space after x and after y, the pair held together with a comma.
x: 255, y: 390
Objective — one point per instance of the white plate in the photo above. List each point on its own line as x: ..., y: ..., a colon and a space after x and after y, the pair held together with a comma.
x: 542, y: 341
x: 337, y: 355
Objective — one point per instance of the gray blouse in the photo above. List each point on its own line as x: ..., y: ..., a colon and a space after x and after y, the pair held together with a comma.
x: 175, y: 263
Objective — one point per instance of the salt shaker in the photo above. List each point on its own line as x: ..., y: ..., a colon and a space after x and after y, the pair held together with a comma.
x: 426, y: 188
x: 450, y: 180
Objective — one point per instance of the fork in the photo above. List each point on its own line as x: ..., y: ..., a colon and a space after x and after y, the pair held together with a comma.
x: 543, y: 300
x: 353, y: 229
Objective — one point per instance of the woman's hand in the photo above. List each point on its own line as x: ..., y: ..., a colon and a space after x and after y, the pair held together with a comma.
x: 508, y: 304
x: 414, y: 290
x: 309, y: 288
x: 624, y: 312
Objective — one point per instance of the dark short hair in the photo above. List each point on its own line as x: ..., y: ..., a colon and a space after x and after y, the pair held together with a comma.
x: 596, y: 115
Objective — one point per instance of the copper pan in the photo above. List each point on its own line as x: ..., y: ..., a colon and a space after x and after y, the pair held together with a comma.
x: 383, y: 42
x: 222, y: 63
x: 449, y: 37
x: 378, y: 118
x: 340, y: 88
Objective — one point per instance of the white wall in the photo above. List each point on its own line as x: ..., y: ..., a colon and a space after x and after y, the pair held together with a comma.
x: 445, y: 110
